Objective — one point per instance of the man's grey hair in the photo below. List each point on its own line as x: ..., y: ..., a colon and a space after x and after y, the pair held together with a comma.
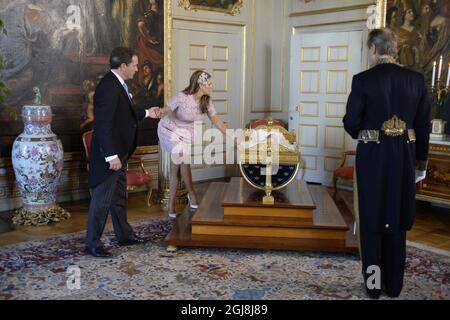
x: 384, y: 40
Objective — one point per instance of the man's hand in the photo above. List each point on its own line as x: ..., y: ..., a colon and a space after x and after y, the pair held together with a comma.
x: 155, y: 112
x: 115, y: 165
x: 420, y: 175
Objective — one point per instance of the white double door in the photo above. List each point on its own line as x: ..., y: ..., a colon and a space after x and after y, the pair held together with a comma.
x: 217, y: 50
x: 322, y: 68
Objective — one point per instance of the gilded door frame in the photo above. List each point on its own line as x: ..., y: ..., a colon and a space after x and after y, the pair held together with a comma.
x: 381, y: 8
x: 168, y: 43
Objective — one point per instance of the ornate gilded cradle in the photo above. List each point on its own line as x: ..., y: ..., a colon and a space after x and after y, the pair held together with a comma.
x: 269, y: 157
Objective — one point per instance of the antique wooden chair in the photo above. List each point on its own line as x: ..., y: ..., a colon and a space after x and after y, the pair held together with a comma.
x: 135, y: 178
x: 344, y: 172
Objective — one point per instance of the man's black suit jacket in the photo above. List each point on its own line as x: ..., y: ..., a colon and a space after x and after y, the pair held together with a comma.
x: 115, y: 127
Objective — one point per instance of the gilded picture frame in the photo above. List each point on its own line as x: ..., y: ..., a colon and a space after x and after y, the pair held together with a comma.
x: 230, y: 7
x: 168, y: 66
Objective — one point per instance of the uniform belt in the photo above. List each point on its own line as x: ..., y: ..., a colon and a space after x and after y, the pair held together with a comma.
x: 394, y: 127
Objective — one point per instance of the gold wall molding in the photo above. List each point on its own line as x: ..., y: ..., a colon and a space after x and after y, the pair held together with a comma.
x: 252, y: 58
x: 310, y: 25
x: 329, y: 53
x: 303, y: 73
x: 205, y: 55
x: 209, y: 21
x: 226, y: 59
x: 226, y: 112
x: 316, y: 158
x: 168, y: 44
x: 233, y: 10
x: 283, y: 54
x: 341, y: 134
x: 329, y: 114
x: 215, y: 76
x: 382, y: 8
x: 337, y: 73
x: 302, y: 54
x: 330, y: 10
x: 316, y: 137
x: 301, y: 109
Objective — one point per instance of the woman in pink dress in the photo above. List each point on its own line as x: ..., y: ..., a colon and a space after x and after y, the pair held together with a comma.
x: 176, y: 130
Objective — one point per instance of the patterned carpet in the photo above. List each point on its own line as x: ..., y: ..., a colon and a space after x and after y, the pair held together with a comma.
x: 38, y: 270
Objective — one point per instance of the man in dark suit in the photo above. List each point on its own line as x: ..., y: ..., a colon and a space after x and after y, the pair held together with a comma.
x: 113, y: 142
x: 388, y: 111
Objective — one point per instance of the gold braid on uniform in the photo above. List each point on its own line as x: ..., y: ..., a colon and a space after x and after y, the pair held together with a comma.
x: 26, y: 218
x: 387, y: 59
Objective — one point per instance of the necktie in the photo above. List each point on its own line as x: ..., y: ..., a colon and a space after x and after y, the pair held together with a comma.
x: 126, y: 89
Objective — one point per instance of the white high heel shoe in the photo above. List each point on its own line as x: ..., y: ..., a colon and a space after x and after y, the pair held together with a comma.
x: 192, y: 206
x: 172, y: 215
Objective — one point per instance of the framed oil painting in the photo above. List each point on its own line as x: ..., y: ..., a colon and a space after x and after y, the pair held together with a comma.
x: 423, y: 31
x: 63, y: 47
x: 231, y: 7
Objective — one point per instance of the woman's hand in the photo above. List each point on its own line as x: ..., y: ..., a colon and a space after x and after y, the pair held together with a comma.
x: 155, y: 113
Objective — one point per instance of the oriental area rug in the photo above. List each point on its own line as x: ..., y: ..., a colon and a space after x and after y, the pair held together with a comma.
x: 58, y: 269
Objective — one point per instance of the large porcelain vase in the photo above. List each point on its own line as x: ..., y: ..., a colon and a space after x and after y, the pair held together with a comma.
x: 38, y: 158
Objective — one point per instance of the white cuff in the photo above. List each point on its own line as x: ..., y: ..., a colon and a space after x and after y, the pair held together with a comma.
x: 420, y: 175
x: 147, y: 113
x: 109, y: 159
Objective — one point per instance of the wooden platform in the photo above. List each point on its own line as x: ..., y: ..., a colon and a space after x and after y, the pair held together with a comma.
x: 231, y: 215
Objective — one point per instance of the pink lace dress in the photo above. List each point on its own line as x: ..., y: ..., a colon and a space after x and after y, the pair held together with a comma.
x: 176, y: 130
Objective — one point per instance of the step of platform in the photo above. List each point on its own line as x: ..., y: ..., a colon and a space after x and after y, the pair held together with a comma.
x: 210, y: 228
x: 211, y: 220
x: 292, y: 205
